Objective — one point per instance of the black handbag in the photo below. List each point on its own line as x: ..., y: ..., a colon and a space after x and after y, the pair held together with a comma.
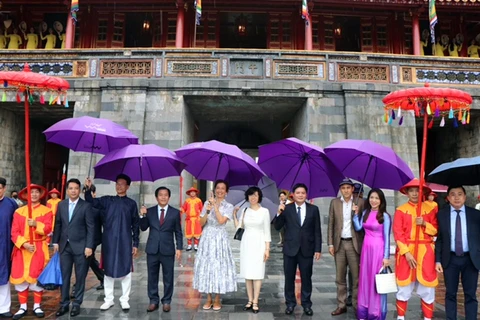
x: 239, y: 234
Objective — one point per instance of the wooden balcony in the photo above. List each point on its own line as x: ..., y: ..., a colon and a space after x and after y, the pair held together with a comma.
x: 266, y: 65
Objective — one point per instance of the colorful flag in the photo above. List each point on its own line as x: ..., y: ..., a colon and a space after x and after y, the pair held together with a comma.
x: 198, y: 10
x: 304, y: 9
x: 74, y: 9
x: 432, y: 15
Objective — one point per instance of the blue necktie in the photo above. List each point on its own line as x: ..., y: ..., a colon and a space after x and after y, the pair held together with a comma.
x: 70, y: 211
x: 299, y: 212
x: 458, y: 235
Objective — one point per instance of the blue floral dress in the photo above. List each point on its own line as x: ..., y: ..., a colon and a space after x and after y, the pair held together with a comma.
x: 214, y: 270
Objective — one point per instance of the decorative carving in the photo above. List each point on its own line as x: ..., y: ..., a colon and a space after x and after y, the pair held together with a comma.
x: 192, y: 67
x: 407, y: 74
x: 93, y: 68
x: 126, y: 68
x: 331, y: 71
x: 80, y: 68
x: 224, y: 67
x: 448, y: 76
x: 351, y: 72
x: 158, y: 67
x: 246, y: 68
x: 268, y: 68
x: 62, y: 69
x: 395, y: 74
x: 299, y: 70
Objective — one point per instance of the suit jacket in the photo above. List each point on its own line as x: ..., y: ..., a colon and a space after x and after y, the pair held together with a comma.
x: 160, y: 238
x: 442, y: 245
x: 307, y: 237
x: 335, y: 226
x: 79, y: 232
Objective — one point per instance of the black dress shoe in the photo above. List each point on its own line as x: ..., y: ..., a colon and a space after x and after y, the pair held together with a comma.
x: 6, y: 315
x: 308, y: 311
x: 152, y: 307
x: 289, y: 310
x: 61, y: 311
x: 75, y: 311
x: 100, y: 287
x: 349, y: 301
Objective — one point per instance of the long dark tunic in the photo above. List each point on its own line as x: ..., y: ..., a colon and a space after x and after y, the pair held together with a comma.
x: 7, y: 208
x: 120, y: 220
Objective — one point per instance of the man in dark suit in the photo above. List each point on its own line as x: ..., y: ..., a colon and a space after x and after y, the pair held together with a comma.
x: 74, y: 238
x: 303, y: 242
x: 164, y: 222
x: 457, y: 252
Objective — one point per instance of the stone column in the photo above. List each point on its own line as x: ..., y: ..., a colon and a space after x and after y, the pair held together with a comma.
x: 70, y: 32
x: 180, y: 24
x: 416, y: 34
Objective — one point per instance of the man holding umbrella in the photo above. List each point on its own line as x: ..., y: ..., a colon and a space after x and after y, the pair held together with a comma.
x: 415, y: 254
x: 7, y: 208
x: 120, y: 222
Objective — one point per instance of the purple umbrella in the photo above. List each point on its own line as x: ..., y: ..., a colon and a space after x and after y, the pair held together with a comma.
x: 266, y: 203
x: 140, y: 162
x: 213, y: 160
x: 89, y: 134
x: 291, y: 161
x: 373, y: 164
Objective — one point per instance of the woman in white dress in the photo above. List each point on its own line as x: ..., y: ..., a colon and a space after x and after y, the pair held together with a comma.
x: 255, y: 246
x: 214, y: 269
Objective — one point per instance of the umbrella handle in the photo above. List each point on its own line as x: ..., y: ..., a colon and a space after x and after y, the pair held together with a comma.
x: 91, y: 155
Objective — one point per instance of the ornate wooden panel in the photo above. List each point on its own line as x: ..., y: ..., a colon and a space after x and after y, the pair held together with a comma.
x: 447, y: 76
x: 407, y: 74
x: 355, y: 72
x: 188, y: 68
x: 126, y: 68
x: 299, y: 70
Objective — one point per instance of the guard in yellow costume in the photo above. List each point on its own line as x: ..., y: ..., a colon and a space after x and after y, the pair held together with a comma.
x: 30, y: 256
x: 431, y: 201
x: 53, y: 202
x: 415, y: 271
x: 192, y: 208
x: 32, y: 39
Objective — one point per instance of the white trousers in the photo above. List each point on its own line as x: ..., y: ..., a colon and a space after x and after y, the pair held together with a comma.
x: 426, y: 293
x: 5, y: 298
x: 25, y: 285
x: 109, y: 284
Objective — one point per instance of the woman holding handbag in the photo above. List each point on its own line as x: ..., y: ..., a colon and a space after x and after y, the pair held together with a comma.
x: 214, y: 270
x: 374, y: 256
x: 255, y: 246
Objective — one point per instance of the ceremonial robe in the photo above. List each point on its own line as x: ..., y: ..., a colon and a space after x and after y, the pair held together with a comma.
x: 120, y: 220
x: 27, y: 266
x: 404, y: 232
x: 7, y: 208
x: 192, y: 209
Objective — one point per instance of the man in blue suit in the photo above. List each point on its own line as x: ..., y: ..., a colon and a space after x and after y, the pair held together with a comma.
x: 457, y: 252
x: 303, y: 242
x: 165, y: 225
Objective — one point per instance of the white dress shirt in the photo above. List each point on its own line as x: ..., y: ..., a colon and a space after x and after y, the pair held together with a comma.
x: 160, y: 212
x: 347, y: 218
x: 303, y: 212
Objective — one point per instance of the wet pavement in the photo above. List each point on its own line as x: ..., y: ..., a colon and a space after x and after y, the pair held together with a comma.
x: 187, y: 303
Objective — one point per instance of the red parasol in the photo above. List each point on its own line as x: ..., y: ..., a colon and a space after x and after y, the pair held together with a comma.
x: 28, y: 83
x: 428, y: 102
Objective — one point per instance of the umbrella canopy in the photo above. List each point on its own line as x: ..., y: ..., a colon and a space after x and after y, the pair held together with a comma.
x: 266, y: 185
x: 291, y: 161
x: 213, y: 160
x: 266, y: 203
x: 461, y: 172
x: 371, y: 163
x: 90, y: 135
x: 140, y: 162
x: 436, y: 187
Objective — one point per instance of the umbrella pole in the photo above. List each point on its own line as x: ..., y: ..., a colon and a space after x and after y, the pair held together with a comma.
x: 218, y: 166
x: 364, y: 177
x: 142, y: 198
x: 422, y: 183
x: 91, y: 155
x: 27, y: 162
x: 304, y: 158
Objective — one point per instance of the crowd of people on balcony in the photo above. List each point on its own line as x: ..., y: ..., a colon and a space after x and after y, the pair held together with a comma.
x: 40, y: 37
x: 446, y: 47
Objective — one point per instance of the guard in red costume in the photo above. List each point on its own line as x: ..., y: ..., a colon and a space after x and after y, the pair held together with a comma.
x: 30, y: 255
x: 192, y: 208
x: 415, y: 256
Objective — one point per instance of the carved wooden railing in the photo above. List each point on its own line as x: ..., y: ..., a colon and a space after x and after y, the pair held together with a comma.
x: 247, y: 64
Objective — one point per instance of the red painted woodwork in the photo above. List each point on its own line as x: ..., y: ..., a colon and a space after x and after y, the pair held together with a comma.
x: 54, y: 159
x: 180, y: 24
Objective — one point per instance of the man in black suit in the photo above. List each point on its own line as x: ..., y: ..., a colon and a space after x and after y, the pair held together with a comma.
x: 74, y: 237
x: 457, y: 252
x: 165, y: 224
x: 303, y: 242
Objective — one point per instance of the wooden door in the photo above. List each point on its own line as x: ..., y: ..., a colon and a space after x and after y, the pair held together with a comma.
x: 117, y: 39
x: 157, y: 40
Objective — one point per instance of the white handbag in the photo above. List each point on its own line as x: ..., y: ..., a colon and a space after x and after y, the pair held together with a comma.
x: 386, y: 282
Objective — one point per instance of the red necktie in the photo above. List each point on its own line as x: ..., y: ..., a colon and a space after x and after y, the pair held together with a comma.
x: 162, y: 216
